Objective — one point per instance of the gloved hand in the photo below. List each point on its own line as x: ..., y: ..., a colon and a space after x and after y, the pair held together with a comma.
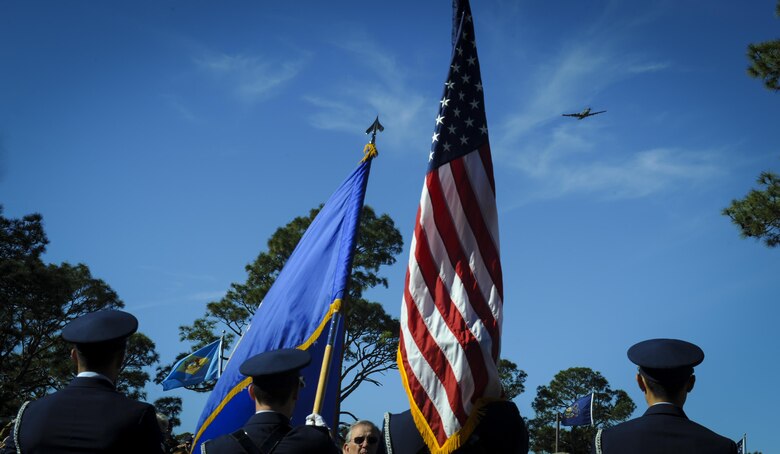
x: 316, y: 420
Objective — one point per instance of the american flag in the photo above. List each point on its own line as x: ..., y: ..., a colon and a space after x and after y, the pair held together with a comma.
x: 452, y: 305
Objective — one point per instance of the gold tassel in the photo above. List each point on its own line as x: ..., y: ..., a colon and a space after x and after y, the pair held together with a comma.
x: 369, y: 152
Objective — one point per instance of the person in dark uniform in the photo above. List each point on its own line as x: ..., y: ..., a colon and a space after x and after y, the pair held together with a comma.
x: 501, y: 429
x: 275, y: 385
x: 665, y: 377
x: 90, y: 415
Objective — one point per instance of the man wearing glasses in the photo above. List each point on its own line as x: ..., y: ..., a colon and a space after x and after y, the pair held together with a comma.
x: 275, y: 385
x: 362, y: 438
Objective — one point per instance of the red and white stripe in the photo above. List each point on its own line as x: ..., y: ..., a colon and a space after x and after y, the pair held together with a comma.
x: 452, y: 306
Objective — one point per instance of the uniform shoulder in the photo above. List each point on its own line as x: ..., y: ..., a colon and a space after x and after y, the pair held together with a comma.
x: 707, y: 432
x: 621, y: 427
x: 221, y: 444
x: 308, y: 439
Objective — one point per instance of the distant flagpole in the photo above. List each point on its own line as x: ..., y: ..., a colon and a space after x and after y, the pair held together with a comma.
x: 592, y: 398
x: 221, y: 352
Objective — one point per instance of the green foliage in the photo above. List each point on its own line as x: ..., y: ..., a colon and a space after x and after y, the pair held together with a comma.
x: 371, y: 342
x: 171, y: 408
x: 512, y: 378
x: 758, y: 214
x: 37, y: 301
x: 132, y: 377
x: 765, y: 61
x: 371, y: 338
x: 609, y: 408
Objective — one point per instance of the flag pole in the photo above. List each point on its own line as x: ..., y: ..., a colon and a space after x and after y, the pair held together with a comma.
x: 369, y: 153
x: 557, y: 428
x: 221, y: 351
x: 326, y: 357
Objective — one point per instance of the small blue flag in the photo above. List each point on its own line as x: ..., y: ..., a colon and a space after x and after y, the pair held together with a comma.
x: 580, y: 413
x: 295, y: 313
x: 741, y: 446
x: 196, y: 367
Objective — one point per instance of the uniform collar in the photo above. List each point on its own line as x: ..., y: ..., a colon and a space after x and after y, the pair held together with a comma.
x: 90, y: 374
x: 268, y: 417
x: 665, y: 409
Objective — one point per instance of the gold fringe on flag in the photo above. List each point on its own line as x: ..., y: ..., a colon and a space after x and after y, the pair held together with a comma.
x: 455, y: 440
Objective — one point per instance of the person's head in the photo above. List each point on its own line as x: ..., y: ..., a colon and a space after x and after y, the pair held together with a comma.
x: 362, y: 438
x: 99, y: 340
x: 276, y: 378
x: 665, y: 369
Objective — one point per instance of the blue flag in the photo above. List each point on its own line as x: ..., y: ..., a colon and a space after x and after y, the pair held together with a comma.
x: 196, y: 367
x: 580, y: 413
x: 295, y: 313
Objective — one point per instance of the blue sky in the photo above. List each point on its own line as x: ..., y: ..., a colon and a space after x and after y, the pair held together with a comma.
x: 163, y: 142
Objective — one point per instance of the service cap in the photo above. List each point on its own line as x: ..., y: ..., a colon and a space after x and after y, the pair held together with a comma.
x: 275, y: 362
x: 666, y: 360
x: 99, y: 327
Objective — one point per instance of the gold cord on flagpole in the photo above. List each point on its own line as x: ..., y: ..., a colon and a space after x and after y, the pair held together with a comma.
x: 369, y: 152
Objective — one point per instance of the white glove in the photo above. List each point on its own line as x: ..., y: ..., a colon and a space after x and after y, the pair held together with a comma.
x: 316, y: 420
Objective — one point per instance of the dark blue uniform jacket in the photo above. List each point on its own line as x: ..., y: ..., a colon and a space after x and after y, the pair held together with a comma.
x: 87, y: 416
x: 663, y: 429
x: 299, y: 440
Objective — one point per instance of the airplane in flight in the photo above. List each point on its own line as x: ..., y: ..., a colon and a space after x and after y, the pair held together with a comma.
x: 585, y: 113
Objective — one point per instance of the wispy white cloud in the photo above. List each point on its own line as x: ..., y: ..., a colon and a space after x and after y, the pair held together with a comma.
x: 183, y: 299
x: 563, y: 81
x: 525, y: 138
x: 564, y: 161
x: 628, y: 175
x: 251, y: 78
x: 388, y: 93
x: 569, y: 159
x: 648, y: 67
x: 176, y: 105
x: 642, y: 174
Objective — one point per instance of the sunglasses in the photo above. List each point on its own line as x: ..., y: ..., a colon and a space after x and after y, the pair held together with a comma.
x: 360, y: 440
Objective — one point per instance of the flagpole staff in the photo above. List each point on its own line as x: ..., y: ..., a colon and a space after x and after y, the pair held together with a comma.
x: 369, y: 153
x: 221, y: 351
x: 323, y: 381
x: 557, y: 428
